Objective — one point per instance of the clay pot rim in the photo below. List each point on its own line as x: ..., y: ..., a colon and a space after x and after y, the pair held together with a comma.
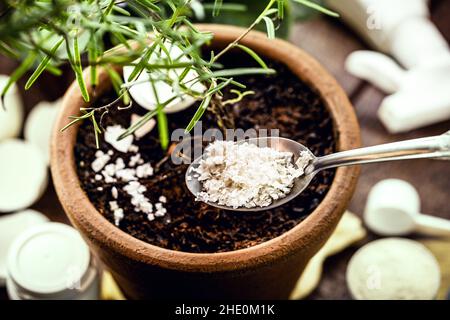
x: 309, y: 233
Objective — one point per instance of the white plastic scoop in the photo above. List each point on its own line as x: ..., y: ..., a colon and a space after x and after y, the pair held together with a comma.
x: 429, y: 147
x: 393, y: 209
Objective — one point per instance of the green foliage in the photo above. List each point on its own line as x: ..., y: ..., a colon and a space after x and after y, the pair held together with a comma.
x: 315, y: 6
x: 48, y: 33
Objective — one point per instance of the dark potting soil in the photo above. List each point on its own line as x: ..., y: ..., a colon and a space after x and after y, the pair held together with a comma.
x: 281, y: 102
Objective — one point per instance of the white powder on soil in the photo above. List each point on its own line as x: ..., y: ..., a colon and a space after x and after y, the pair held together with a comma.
x: 245, y: 175
x: 111, y: 172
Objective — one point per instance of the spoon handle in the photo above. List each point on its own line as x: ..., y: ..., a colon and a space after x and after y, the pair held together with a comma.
x: 432, y: 225
x: 429, y: 147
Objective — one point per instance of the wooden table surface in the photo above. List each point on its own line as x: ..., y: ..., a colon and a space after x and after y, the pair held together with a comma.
x: 330, y: 42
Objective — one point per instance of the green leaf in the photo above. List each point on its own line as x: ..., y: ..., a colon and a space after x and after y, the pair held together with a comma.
x: 136, y: 8
x: 270, y: 27
x: 149, y: 5
x: 70, y: 124
x: 163, y: 48
x: 121, y: 11
x: 110, y: 7
x: 280, y: 4
x: 198, y: 114
x: 7, y: 50
x: 270, y: 12
x: 317, y: 7
x: 115, y: 79
x: 97, y: 130
x: 54, y: 70
x: 117, y: 83
x: 184, y: 74
x: 26, y: 64
x: 253, y: 54
x: 138, y: 124
x: 217, y: 6
x: 76, y: 119
x: 219, y: 87
x: 93, y: 56
x: 79, y: 70
x: 141, y: 64
x: 122, y: 40
x: 163, y: 128
x: 227, y: 7
x: 42, y: 65
x: 238, y: 72
x: 234, y: 83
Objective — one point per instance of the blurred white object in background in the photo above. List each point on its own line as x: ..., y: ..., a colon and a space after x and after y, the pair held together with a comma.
x: 393, y: 269
x: 11, y: 111
x: 348, y: 231
x: 39, y: 125
x: 377, y: 68
x: 144, y: 94
x: 393, y: 209
x: 10, y: 227
x: 51, y: 261
x: 419, y: 97
x: 401, y: 28
x: 24, y: 175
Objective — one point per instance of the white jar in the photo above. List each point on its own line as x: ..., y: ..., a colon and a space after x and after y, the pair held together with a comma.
x: 51, y: 261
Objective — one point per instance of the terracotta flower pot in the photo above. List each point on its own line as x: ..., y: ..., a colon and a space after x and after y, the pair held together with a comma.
x: 265, y: 271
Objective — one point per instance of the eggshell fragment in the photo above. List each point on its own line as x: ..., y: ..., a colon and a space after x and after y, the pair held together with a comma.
x: 39, y: 125
x: 348, y: 231
x: 146, y: 128
x: 142, y: 91
x: 109, y: 288
x: 11, y: 111
x: 23, y: 172
x: 112, y: 135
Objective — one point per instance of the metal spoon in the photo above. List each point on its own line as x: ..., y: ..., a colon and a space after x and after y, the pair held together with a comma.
x: 429, y: 147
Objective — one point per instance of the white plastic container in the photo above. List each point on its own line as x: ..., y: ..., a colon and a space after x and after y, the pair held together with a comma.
x: 11, y: 226
x: 51, y: 262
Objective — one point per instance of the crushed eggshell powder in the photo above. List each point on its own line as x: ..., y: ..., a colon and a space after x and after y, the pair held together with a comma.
x: 112, y: 172
x: 245, y: 175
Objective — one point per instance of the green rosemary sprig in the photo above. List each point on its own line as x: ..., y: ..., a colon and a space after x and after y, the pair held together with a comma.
x: 48, y: 33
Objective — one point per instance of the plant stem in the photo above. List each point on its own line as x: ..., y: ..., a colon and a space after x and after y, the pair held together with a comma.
x: 250, y: 28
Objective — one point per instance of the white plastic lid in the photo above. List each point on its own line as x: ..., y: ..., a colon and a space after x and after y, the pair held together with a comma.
x: 48, y: 258
x: 11, y: 226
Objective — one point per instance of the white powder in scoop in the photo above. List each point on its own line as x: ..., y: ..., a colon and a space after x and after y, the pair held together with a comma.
x: 245, y: 175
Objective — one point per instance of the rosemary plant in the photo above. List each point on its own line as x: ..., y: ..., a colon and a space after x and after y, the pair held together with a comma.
x: 44, y: 34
